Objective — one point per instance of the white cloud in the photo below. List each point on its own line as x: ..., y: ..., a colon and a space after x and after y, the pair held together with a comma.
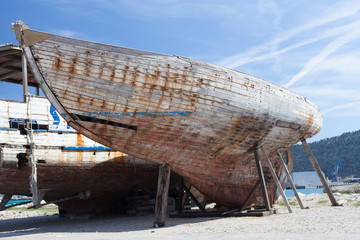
x: 155, y: 9
x: 350, y: 109
x: 238, y: 60
x: 330, y: 93
x: 329, y: 49
x: 268, y: 49
x: 270, y: 7
x: 65, y: 33
x: 336, y: 99
x: 345, y: 65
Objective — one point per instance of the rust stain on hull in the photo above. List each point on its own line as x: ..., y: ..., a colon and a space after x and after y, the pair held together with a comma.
x: 201, y: 119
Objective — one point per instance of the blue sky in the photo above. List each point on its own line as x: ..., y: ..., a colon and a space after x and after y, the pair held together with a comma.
x: 311, y: 47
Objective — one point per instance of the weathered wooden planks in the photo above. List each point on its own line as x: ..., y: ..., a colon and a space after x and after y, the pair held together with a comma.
x: 201, y: 119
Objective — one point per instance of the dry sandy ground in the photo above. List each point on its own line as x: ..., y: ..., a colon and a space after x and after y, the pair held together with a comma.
x: 321, y: 221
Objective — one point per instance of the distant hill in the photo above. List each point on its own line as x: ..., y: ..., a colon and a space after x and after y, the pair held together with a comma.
x: 327, y: 151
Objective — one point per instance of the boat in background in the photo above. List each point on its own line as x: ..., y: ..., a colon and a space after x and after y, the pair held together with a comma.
x: 80, y: 175
x: 205, y: 121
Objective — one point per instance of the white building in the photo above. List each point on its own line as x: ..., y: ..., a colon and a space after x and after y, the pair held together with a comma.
x: 308, y: 178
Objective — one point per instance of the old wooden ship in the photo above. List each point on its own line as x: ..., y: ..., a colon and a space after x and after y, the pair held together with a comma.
x: 204, y: 121
x: 78, y: 174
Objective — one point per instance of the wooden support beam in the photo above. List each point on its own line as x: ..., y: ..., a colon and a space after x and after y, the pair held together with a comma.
x: 179, y: 203
x: 291, y: 181
x: 278, y: 184
x: 6, y: 63
x: 15, y: 69
x: 9, y: 52
x: 187, y: 190
x: 262, y: 180
x: 253, y: 189
x: 162, y: 195
x: 12, y: 79
x: 252, y: 192
x: 12, y: 57
x: 317, y: 168
x: 6, y: 198
x: 7, y: 75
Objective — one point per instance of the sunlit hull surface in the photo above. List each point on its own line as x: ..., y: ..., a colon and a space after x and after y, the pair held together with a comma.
x: 204, y: 120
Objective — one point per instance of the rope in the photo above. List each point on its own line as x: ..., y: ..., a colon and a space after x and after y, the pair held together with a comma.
x: 36, y: 199
x: 81, y: 195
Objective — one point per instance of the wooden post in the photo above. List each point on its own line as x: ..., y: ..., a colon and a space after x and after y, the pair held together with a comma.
x: 179, y: 203
x: 187, y: 190
x: 291, y: 181
x: 317, y: 168
x: 279, y: 188
x: 162, y: 195
x: 262, y: 180
x: 252, y: 191
x: 6, y: 198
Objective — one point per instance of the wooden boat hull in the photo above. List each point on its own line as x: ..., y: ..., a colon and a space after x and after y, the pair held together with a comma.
x: 204, y: 120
